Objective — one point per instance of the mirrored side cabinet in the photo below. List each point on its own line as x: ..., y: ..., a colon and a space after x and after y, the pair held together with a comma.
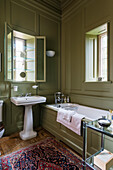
x: 25, y: 56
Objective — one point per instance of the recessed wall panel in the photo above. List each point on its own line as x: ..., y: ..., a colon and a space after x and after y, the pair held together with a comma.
x: 23, y: 17
x: 67, y: 56
x: 76, y: 52
x: 50, y: 29
x: 96, y: 11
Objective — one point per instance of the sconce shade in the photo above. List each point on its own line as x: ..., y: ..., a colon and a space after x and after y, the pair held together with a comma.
x: 35, y: 86
x: 50, y: 53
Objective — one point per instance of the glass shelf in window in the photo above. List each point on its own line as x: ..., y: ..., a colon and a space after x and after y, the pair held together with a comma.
x: 23, y: 59
x: 17, y: 69
x: 26, y: 47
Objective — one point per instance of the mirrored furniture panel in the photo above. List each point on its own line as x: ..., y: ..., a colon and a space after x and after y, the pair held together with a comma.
x: 94, y: 159
x: 25, y: 56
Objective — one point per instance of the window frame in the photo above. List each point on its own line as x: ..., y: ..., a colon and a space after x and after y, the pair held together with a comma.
x: 98, y: 78
x: 99, y: 54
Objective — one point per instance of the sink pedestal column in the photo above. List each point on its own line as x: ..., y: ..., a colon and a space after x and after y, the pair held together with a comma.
x: 28, y: 132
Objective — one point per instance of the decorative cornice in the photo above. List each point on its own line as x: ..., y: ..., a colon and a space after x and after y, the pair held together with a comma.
x: 63, y: 7
x: 72, y: 7
x: 59, y: 8
x: 66, y: 3
x: 51, y: 4
x: 44, y: 7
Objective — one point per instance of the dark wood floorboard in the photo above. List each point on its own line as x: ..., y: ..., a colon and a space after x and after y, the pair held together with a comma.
x: 13, y: 142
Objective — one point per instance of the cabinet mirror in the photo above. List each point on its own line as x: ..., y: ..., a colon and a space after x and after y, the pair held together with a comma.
x: 25, y: 56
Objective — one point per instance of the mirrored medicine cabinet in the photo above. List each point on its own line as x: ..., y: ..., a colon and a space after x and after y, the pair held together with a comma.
x: 25, y: 56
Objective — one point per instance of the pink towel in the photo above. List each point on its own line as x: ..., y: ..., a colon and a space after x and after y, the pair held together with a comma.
x: 64, y: 115
x: 72, y: 120
x: 75, y: 125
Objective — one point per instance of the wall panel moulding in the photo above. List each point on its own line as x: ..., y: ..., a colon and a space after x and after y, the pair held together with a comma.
x: 53, y: 5
x: 70, y: 6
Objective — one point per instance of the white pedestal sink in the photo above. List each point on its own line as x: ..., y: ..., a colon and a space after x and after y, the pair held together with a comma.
x: 28, y: 132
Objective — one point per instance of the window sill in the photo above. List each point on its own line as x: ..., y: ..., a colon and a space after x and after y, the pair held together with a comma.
x: 106, y: 82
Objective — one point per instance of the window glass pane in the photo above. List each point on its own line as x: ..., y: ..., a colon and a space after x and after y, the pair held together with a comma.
x: 30, y: 59
x: 103, y: 56
x: 19, y: 59
x: 24, y: 57
x: 96, y: 53
x: 91, y: 58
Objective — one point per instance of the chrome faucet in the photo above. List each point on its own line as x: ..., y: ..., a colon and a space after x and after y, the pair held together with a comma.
x: 58, y: 97
x: 27, y: 94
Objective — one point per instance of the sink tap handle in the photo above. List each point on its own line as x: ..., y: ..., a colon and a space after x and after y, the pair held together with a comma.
x: 21, y: 95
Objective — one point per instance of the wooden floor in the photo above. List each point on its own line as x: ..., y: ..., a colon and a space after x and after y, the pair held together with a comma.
x: 13, y: 142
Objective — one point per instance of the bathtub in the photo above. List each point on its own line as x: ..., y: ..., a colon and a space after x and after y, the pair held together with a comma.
x: 67, y: 106
x: 89, y: 113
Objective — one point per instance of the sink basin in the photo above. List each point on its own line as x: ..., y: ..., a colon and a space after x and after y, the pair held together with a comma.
x: 28, y: 132
x: 28, y: 100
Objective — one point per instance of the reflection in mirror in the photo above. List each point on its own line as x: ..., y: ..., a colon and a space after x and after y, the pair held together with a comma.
x: 24, y: 56
x: 23, y: 74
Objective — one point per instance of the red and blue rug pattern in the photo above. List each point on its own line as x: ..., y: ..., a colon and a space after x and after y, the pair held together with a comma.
x: 48, y: 154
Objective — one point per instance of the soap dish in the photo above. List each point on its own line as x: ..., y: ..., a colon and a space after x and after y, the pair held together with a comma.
x: 104, y: 122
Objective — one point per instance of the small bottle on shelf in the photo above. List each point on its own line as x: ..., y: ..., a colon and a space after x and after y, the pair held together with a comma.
x: 64, y: 99
x: 67, y: 99
x: 109, y: 114
x: 112, y: 118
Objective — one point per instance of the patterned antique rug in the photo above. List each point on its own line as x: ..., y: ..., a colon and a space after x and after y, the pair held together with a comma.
x: 48, y: 154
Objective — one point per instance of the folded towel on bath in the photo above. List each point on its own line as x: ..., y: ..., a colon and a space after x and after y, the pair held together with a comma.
x: 70, y: 119
x: 64, y: 115
x: 68, y: 115
x: 75, y: 124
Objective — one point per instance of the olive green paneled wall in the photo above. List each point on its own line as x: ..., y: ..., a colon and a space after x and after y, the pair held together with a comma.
x: 51, y: 31
x: 77, y: 20
x: 2, y: 15
x: 32, y: 18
